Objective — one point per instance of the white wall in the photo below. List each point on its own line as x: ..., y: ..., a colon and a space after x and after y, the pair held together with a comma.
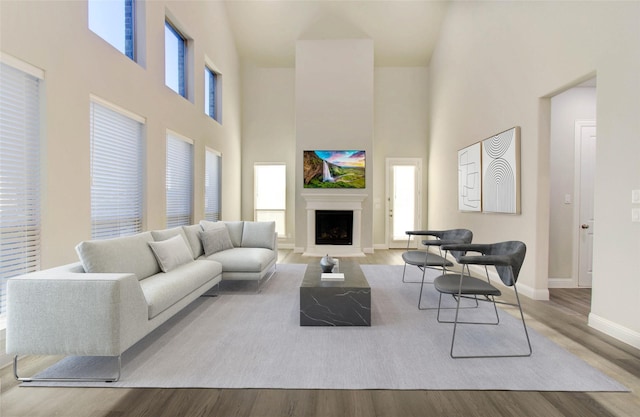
x: 566, y: 108
x: 334, y: 110
x: 401, y: 130
x: 495, y: 66
x: 268, y: 131
x: 54, y: 36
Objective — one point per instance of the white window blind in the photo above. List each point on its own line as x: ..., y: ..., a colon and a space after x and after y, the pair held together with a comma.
x: 19, y: 176
x: 212, y: 185
x: 179, y: 181
x: 270, y: 199
x: 116, y: 173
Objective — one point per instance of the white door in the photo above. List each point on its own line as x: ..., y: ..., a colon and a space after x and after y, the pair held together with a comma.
x: 586, y: 141
x: 403, y: 199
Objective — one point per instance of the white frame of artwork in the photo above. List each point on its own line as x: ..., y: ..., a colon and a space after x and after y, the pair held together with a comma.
x: 501, y: 172
x: 470, y: 178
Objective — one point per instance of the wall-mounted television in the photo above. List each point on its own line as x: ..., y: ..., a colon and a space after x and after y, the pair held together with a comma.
x: 334, y: 169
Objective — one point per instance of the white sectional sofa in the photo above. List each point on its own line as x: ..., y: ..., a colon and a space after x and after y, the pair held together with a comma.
x: 123, y: 288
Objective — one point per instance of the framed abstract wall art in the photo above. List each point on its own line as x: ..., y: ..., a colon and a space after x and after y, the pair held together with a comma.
x: 501, y: 172
x: 469, y: 178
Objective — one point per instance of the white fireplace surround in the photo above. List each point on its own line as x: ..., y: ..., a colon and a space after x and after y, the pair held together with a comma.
x: 334, y: 201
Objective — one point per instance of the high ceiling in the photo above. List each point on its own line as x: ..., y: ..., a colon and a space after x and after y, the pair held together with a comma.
x: 404, y: 32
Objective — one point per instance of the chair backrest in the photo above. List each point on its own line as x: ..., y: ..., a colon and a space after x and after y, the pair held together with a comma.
x: 515, y: 250
x: 457, y: 236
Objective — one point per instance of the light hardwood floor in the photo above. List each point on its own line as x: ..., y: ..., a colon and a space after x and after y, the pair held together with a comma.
x: 562, y: 319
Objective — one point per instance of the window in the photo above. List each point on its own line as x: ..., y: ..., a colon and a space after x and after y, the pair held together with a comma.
x: 270, y: 199
x: 113, y: 21
x: 19, y: 175
x: 212, y: 185
x: 211, y: 91
x: 175, y: 46
x: 179, y: 180
x: 116, y: 171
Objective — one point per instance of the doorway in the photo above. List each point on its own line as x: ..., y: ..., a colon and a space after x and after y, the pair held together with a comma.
x: 403, y: 199
x: 572, y: 164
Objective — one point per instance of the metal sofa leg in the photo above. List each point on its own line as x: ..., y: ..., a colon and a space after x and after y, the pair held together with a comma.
x: 63, y: 379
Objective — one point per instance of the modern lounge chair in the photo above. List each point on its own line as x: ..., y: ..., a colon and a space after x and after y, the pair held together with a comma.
x: 507, y: 258
x: 424, y: 259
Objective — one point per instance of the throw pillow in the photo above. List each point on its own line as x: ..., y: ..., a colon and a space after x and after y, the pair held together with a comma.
x: 258, y: 234
x: 193, y: 239
x: 128, y: 254
x: 171, y: 253
x: 215, y: 240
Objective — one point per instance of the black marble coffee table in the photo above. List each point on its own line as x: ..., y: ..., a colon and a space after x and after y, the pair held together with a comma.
x: 335, y: 303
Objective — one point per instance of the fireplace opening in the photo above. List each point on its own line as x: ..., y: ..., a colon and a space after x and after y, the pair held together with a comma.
x: 334, y: 227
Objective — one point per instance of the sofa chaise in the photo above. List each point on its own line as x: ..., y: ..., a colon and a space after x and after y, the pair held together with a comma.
x: 124, y: 288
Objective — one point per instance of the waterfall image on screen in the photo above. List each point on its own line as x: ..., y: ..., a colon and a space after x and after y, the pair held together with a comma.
x: 334, y: 169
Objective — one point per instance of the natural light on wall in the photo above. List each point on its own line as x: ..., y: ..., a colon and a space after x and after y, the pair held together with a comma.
x: 270, y: 199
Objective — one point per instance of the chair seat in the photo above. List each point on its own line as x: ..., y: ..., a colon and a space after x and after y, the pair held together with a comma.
x: 417, y: 258
x: 450, y: 284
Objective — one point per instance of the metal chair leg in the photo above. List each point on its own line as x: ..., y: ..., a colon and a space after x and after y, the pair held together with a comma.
x: 63, y: 379
x: 456, y: 322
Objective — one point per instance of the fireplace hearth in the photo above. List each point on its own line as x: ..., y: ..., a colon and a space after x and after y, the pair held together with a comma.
x: 334, y: 227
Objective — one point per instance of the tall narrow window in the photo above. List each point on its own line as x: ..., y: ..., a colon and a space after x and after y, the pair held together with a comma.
x: 179, y: 181
x: 212, y: 185
x: 175, y: 46
x: 116, y: 171
x: 113, y: 21
x: 19, y: 175
x: 211, y: 91
x: 270, y: 198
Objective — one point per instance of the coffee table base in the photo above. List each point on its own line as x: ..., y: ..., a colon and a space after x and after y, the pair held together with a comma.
x: 342, y: 306
x: 335, y: 303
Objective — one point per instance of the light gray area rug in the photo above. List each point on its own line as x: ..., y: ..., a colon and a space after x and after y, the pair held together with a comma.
x: 246, y: 340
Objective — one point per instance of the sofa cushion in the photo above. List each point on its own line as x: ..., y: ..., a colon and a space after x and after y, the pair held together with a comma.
x: 172, y: 252
x: 215, y: 240
x: 244, y: 259
x: 258, y: 235
x: 130, y: 254
x: 234, y: 228
x: 165, y: 289
x: 192, y: 233
x: 159, y: 235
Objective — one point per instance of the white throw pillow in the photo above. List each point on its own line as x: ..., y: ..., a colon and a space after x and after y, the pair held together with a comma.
x: 258, y: 234
x: 171, y: 253
x: 215, y: 240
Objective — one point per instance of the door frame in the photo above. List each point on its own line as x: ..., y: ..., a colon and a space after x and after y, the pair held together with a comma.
x: 389, y: 163
x: 579, y: 125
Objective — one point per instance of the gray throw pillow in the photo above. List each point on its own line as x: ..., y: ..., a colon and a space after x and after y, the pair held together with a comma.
x: 215, y: 240
x: 171, y: 253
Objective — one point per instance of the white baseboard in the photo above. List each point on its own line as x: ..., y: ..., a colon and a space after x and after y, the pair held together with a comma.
x: 286, y: 246
x: 561, y: 283
x: 526, y: 290
x: 380, y: 246
x: 615, y: 330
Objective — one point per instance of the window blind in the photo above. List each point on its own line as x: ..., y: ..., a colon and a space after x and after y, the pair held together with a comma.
x: 179, y: 181
x: 19, y: 175
x: 116, y: 173
x: 212, y: 185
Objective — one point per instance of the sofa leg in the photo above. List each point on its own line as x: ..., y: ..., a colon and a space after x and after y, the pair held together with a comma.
x: 265, y: 279
x: 212, y: 294
x: 63, y: 379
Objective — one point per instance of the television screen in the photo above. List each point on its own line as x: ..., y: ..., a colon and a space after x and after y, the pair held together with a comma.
x: 334, y: 169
